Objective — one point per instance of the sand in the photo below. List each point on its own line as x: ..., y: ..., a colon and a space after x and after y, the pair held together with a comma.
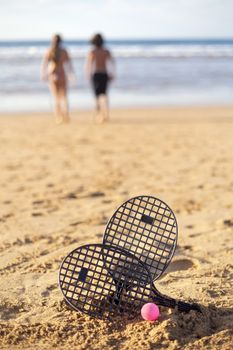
x: 59, y: 186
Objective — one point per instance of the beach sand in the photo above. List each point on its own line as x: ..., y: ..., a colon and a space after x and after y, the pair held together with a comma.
x: 59, y: 186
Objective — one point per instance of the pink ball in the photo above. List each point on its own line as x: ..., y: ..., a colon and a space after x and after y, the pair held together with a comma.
x: 150, y: 312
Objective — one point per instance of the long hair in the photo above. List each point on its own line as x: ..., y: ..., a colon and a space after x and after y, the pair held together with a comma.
x: 55, y: 48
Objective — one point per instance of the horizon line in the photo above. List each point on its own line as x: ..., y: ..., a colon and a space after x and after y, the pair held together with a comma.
x: 121, y: 39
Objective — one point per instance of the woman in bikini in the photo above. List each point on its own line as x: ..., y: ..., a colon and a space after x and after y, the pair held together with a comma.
x: 100, y: 70
x: 56, y: 64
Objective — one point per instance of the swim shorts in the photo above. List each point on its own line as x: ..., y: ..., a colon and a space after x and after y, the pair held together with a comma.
x: 100, y: 83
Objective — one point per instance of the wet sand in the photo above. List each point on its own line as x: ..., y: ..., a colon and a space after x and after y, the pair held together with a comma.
x: 59, y: 186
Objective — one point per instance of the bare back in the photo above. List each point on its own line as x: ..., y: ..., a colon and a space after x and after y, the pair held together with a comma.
x: 99, y: 58
x: 59, y: 66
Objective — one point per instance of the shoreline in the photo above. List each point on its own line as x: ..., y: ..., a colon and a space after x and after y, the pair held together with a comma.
x: 173, y: 111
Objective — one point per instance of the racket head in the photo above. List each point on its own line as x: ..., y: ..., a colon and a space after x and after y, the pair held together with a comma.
x: 146, y: 227
x: 103, y: 281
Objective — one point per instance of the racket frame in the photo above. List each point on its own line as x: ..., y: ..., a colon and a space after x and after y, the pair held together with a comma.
x: 118, y: 285
x: 105, y: 241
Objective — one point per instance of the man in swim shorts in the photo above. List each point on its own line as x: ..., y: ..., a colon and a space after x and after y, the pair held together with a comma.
x: 99, y: 62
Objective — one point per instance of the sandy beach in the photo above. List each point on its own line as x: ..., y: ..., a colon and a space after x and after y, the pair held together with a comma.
x: 59, y: 186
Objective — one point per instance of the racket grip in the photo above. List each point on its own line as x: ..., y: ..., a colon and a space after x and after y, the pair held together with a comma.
x: 173, y: 303
x: 186, y: 307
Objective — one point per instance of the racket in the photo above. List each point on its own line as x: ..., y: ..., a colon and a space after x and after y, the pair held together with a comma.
x: 146, y: 227
x: 104, y: 281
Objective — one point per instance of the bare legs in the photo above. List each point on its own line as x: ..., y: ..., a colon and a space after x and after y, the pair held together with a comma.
x: 61, y: 108
x: 63, y: 115
x: 102, y: 109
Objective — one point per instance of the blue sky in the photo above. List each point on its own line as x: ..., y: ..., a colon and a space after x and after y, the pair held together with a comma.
x: 116, y: 18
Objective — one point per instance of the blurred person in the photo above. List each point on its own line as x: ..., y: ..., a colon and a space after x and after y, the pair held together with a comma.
x: 56, y: 68
x: 100, y: 71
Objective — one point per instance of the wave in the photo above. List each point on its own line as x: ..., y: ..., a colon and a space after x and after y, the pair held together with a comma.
x: 124, y: 51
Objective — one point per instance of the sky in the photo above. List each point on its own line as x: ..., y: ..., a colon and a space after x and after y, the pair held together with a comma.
x: 39, y: 19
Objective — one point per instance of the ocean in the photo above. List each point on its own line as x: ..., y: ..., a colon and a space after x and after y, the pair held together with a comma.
x: 148, y: 73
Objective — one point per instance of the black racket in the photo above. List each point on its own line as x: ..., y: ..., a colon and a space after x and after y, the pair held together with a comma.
x: 104, y: 281
x: 146, y: 227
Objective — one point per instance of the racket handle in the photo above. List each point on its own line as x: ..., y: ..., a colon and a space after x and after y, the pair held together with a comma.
x: 173, y: 303
x: 186, y: 307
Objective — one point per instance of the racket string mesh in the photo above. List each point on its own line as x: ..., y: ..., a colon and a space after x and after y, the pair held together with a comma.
x: 146, y: 227
x: 103, y: 281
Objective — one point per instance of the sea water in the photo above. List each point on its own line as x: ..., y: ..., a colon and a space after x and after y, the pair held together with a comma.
x: 148, y: 73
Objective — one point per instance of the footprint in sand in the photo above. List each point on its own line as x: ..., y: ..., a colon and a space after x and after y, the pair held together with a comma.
x: 180, y: 265
x: 99, y: 235
x: 37, y: 214
x: 38, y: 202
x: 5, y: 217
x: 70, y: 195
x: 96, y: 194
x: 7, y: 202
x: 45, y: 293
x: 48, y: 290
x: 228, y: 222
x: 8, y: 311
x: 107, y: 201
